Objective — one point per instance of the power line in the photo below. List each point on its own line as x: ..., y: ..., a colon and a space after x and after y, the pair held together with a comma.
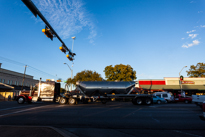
x: 22, y: 64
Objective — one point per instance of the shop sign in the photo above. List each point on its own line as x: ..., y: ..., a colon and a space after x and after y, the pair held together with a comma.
x: 188, y: 82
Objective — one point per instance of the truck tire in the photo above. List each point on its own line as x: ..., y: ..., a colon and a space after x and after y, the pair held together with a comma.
x: 72, y: 101
x: 62, y: 101
x: 148, y: 101
x: 186, y: 101
x: 21, y: 100
x: 158, y: 102
x: 138, y: 101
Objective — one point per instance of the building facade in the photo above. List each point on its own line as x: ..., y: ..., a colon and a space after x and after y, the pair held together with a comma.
x: 13, y: 80
x: 191, y: 86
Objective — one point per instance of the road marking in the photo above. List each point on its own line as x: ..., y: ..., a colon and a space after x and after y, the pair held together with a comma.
x: 132, y: 113
x: 13, y: 108
x: 23, y: 110
x: 155, y: 119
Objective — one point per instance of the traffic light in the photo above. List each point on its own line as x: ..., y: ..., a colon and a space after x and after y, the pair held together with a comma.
x: 181, y: 78
x: 69, y: 57
x: 48, y: 33
x: 62, y: 49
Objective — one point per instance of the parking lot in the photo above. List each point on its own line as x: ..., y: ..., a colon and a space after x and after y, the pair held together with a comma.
x: 111, y: 119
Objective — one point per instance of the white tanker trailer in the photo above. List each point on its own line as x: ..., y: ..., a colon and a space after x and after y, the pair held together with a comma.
x: 105, y: 91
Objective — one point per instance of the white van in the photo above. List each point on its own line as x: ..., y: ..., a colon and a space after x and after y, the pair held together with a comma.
x: 167, y: 96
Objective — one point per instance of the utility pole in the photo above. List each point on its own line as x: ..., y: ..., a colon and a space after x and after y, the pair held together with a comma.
x: 24, y: 77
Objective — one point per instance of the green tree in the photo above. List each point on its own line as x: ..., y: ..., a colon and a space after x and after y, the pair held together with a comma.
x: 196, y: 71
x: 120, y: 73
x: 86, y: 75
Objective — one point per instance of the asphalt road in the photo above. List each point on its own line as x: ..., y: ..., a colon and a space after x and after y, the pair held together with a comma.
x: 113, y: 119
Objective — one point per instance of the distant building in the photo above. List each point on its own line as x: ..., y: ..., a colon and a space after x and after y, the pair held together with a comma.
x: 191, y: 86
x: 13, y: 80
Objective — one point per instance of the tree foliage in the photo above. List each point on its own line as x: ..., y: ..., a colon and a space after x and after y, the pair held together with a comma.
x: 120, y: 73
x: 86, y: 75
x: 196, y: 71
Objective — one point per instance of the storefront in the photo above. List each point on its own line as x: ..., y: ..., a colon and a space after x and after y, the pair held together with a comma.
x: 191, y: 86
x: 5, y: 91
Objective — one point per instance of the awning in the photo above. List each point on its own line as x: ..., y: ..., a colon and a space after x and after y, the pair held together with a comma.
x: 5, y: 86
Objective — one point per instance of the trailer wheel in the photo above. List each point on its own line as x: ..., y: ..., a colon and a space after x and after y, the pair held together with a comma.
x: 138, y: 101
x: 72, y: 101
x: 62, y: 101
x: 148, y: 101
x: 21, y: 100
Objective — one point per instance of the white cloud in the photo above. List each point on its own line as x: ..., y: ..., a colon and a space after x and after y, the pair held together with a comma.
x: 195, y: 42
x: 200, y: 11
x: 192, y: 2
x: 68, y: 17
x: 182, y: 38
x: 191, y: 31
x: 202, y: 26
x: 192, y: 35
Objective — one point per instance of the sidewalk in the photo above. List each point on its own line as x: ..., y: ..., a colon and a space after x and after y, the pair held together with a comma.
x: 33, y: 131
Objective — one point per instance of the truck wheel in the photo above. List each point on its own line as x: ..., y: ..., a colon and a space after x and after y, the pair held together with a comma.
x: 21, y: 100
x: 158, y: 102
x: 148, y: 101
x: 186, y: 101
x: 138, y: 101
x: 62, y: 101
x: 71, y: 101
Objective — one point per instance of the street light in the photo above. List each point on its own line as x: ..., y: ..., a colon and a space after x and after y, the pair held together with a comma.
x: 71, y: 73
x: 180, y: 80
x: 73, y: 42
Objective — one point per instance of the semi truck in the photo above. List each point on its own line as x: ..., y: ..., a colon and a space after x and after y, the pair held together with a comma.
x: 104, y: 91
x: 44, y: 91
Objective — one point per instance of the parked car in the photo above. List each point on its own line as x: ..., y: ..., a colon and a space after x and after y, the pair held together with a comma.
x: 167, y: 96
x: 158, y: 100
x: 180, y: 98
x: 198, y: 99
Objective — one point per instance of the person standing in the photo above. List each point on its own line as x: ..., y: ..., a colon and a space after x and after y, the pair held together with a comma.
x: 9, y: 98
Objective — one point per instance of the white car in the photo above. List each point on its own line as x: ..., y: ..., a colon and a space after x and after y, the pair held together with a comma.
x: 198, y: 99
x: 167, y: 96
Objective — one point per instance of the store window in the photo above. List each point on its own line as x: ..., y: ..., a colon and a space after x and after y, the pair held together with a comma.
x: 15, y: 83
x: 8, y: 82
x: 0, y: 80
x: 3, y: 80
x: 11, y: 82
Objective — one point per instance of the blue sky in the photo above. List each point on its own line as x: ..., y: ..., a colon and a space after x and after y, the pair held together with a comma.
x: 157, y: 38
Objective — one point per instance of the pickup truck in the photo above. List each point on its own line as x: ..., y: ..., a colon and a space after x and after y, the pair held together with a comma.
x: 198, y: 99
x: 180, y: 98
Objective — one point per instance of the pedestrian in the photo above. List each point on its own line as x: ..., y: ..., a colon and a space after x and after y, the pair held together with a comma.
x: 9, y: 98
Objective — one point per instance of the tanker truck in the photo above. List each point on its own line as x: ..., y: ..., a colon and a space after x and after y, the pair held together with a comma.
x: 104, y: 91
